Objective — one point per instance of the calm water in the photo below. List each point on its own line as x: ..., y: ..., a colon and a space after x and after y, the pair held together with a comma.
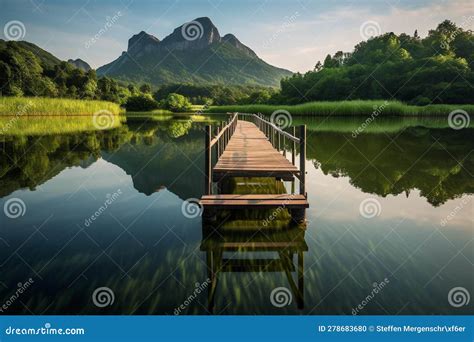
x: 142, y: 247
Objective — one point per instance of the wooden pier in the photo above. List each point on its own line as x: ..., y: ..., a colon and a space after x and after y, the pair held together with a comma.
x: 248, y: 145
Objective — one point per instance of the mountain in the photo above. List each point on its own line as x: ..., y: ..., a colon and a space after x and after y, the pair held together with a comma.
x: 194, y: 52
x: 47, y: 60
x: 80, y: 64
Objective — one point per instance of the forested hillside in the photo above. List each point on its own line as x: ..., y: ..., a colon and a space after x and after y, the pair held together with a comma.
x: 434, y: 69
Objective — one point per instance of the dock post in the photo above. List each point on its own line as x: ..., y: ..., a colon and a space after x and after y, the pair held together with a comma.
x: 208, y: 161
x: 302, y: 159
x: 293, y: 147
x: 300, y: 302
x: 218, y: 145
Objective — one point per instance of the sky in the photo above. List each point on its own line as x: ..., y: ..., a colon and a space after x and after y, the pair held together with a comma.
x: 292, y: 34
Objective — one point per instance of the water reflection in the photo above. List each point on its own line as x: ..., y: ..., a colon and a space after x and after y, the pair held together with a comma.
x: 152, y: 256
x: 438, y: 162
x: 247, y: 240
x: 252, y: 250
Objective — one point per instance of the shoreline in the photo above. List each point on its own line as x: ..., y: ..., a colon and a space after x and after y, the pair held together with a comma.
x: 376, y: 108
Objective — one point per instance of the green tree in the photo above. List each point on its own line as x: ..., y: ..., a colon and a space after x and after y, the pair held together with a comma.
x: 177, y: 103
x: 145, y: 88
x: 140, y: 103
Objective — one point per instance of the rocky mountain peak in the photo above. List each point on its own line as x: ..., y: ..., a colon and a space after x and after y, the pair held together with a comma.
x: 141, y: 43
x: 195, y: 34
x: 80, y: 64
x: 232, y: 40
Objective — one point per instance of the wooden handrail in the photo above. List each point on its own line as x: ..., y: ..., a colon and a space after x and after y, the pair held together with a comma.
x: 223, y: 129
x: 275, y: 127
x: 225, y: 133
x: 221, y: 139
x: 270, y: 129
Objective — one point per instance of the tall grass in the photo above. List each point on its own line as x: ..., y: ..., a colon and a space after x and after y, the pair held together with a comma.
x: 150, y: 113
x: 25, y: 106
x: 380, y: 125
x: 348, y: 108
x: 46, y: 125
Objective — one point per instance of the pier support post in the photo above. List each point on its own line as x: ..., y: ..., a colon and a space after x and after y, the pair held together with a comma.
x: 208, y: 161
x: 302, y: 159
x: 293, y: 147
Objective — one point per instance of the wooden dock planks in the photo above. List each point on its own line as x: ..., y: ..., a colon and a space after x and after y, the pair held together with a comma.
x: 231, y: 201
x: 250, y: 154
x: 244, y: 150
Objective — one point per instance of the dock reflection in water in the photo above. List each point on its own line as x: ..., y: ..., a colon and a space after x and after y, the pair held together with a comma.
x: 255, y: 241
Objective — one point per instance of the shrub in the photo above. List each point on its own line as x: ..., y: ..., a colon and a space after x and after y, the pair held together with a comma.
x: 140, y: 103
x: 176, y: 103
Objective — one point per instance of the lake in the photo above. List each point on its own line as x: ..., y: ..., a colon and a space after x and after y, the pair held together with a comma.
x: 389, y: 229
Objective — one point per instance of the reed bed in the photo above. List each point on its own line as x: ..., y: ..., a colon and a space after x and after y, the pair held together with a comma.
x: 348, y: 108
x: 28, y: 106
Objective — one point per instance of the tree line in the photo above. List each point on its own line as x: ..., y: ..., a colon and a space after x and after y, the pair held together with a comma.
x: 26, y: 70
x: 421, y: 71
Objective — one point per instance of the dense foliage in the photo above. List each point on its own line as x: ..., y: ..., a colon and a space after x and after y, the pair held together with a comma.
x: 141, y: 103
x: 435, y: 69
x: 27, y: 70
x: 176, y: 103
x: 217, y: 94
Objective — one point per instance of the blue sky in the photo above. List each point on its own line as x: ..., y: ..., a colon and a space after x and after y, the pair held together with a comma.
x: 291, y: 34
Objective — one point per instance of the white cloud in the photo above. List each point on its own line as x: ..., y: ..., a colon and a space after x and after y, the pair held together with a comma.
x: 312, y: 38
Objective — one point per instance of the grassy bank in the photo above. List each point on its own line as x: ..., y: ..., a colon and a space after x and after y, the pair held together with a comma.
x: 149, y: 113
x: 25, y: 106
x: 379, y: 125
x: 46, y: 125
x: 348, y: 108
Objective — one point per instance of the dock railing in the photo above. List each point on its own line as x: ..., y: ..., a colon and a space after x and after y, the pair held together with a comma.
x: 278, y: 137
x: 218, y: 143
